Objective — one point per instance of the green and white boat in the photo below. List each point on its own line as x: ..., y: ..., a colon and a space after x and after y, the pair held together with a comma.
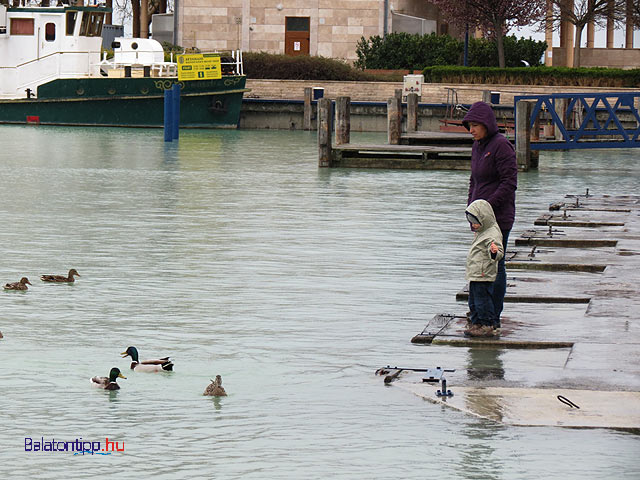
x: 51, y: 73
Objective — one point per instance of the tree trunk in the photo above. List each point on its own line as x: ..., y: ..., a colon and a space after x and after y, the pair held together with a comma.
x: 108, y: 18
x: 144, y: 18
x: 135, y: 22
x: 500, y: 41
x: 576, y: 48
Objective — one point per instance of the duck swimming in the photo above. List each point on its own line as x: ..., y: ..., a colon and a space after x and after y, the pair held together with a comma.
x: 61, y: 278
x: 21, y: 285
x: 215, y: 389
x: 108, y: 383
x: 151, y: 365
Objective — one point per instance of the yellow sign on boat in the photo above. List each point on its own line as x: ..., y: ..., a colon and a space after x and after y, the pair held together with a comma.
x: 199, y: 66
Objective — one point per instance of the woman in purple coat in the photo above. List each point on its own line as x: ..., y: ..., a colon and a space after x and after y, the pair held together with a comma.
x: 494, y: 178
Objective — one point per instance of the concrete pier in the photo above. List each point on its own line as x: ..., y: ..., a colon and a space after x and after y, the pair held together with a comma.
x: 574, y: 332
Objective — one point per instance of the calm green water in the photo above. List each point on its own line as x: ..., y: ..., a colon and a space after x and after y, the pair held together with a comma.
x: 233, y: 253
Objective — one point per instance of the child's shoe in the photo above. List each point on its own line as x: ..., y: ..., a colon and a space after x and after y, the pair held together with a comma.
x: 471, y: 330
x: 482, y: 331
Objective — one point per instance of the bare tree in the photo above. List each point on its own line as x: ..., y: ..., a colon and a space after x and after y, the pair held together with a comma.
x: 634, y: 10
x: 132, y: 9
x: 582, y: 12
x: 494, y: 17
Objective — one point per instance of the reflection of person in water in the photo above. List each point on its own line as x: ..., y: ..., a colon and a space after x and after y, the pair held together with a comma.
x: 485, y: 364
x: 484, y: 367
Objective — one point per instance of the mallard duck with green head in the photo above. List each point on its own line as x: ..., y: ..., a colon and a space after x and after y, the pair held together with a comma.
x: 21, y: 285
x: 150, y: 365
x: 61, y: 278
x: 108, y: 383
x: 215, y: 388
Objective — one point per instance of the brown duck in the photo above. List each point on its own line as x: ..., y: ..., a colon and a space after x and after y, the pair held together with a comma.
x: 215, y: 388
x: 110, y: 382
x: 21, y: 285
x: 61, y: 278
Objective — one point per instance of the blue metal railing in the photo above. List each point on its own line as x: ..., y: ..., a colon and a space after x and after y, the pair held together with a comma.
x: 580, y: 126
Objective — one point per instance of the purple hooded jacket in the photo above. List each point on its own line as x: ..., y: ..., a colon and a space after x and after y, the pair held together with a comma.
x: 494, y: 171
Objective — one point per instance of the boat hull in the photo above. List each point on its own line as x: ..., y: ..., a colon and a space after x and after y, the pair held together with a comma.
x: 128, y: 102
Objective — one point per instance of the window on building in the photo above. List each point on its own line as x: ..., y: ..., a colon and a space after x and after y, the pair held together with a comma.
x: 50, y: 32
x: 22, y: 26
x: 297, y: 24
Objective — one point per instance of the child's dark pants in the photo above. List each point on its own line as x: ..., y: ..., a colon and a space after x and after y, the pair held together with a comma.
x: 481, y: 303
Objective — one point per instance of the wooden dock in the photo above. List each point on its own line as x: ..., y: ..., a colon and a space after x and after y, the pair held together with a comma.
x: 410, y: 150
x: 425, y: 157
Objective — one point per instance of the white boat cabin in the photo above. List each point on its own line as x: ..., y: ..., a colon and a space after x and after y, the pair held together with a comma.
x: 40, y: 44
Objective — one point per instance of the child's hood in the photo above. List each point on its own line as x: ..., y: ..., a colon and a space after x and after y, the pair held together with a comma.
x: 481, y: 209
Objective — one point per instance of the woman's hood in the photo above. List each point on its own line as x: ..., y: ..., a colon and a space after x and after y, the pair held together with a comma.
x: 481, y: 112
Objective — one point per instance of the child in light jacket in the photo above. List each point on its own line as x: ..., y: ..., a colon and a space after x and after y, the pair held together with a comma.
x: 482, y: 268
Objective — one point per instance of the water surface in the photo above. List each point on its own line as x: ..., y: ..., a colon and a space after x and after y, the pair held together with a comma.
x: 233, y: 253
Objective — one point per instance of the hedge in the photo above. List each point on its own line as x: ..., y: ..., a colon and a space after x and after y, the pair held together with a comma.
x: 549, y: 76
x: 411, y: 51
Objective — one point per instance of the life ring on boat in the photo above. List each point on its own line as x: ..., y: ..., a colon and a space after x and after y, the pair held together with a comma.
x: 80, y: 91
x: 112, y: 91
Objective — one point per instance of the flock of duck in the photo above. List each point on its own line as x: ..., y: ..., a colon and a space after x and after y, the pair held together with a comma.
x: 24, y: 281
x: 151, y: 365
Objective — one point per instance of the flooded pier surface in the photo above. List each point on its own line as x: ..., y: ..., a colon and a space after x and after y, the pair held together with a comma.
x: 587, y: 315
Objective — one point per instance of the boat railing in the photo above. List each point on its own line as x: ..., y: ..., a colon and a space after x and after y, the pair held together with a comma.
x: 230, y: 63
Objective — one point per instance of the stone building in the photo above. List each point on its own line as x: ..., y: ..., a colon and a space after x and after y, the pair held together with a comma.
x: 330, y: 28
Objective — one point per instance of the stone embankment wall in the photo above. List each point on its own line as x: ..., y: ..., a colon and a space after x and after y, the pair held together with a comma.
x: 277, y: 104
x: 381, y: 91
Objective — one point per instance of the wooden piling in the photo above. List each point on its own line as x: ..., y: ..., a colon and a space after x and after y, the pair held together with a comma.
x: 324, y: 132
x: 561, y: 111
x: 394, y: 120
x: 306, y: 120
x: 412, y: 112
x: 486, y: 96
x: 523, y: 134
x: 343, y: 120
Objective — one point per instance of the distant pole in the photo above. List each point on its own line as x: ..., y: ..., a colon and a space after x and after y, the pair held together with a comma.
x: 175, y: 21
x: 324, y: 132
x: 175, y: 115
x: 343, y: 120
x: 466, y: 46
x: 168, y: 111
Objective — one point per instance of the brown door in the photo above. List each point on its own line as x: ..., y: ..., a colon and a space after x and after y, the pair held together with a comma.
x: 296, y: 36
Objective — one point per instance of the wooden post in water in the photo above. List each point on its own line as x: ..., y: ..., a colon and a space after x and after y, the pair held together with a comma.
x: 343, y: 120
x: 394, y: 120
x: 324, y: 132
x: 306, y: 120
x: 412, y: 112
x: 523, y: 134
x: 486, y: 96
x: 561, y: 111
